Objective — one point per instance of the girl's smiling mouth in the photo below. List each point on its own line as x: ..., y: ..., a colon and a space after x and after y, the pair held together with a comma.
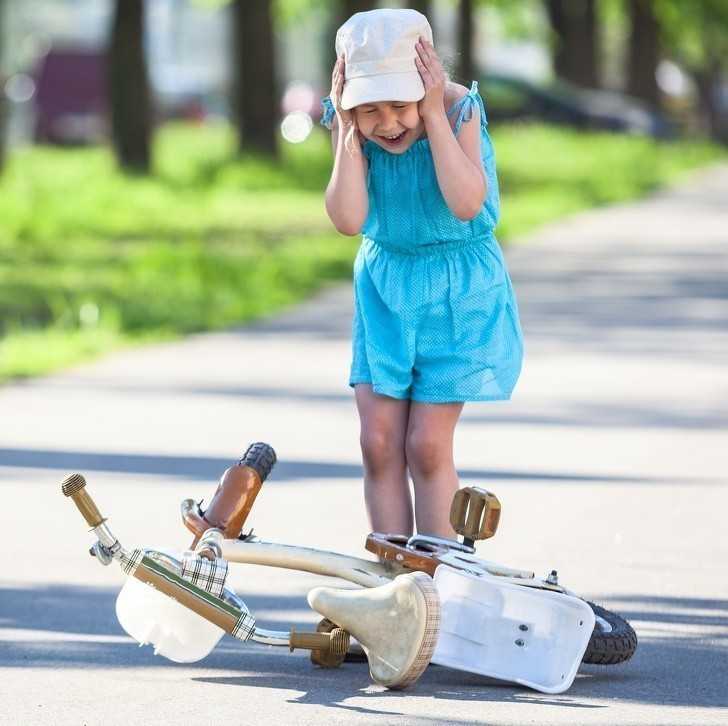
x: 393, y: 140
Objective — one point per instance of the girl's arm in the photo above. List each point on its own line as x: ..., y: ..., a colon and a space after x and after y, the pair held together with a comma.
x: 458, y: 164
x: 347, y: 199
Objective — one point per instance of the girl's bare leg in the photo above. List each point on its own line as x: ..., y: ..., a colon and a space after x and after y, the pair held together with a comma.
x: 429, y: 452
x: 386, y: 487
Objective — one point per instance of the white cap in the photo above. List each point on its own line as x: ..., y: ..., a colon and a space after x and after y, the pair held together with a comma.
x: 378, y: 48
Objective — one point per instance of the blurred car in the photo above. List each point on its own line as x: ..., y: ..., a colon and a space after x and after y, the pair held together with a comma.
x: 182, y: 92
x: 70, y: 102
x: 510, y: 97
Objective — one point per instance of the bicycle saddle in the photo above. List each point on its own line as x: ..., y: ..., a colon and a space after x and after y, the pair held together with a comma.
x: 396, y: 624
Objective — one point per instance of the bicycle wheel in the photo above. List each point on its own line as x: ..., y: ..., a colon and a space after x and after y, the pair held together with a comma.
x: 613, y: 640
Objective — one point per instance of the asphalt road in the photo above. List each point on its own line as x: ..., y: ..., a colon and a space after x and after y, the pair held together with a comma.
x: 610, y: 463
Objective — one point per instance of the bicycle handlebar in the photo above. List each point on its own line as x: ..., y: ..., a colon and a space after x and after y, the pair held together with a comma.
x: 74, y: 486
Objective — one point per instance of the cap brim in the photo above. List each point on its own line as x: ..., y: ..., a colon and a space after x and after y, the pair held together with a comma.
x: 406, y: 87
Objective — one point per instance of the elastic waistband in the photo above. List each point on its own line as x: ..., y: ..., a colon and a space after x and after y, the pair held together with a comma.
x: 436, y: 248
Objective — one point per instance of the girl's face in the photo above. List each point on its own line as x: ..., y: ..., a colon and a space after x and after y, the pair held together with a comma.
x: 394, y: 125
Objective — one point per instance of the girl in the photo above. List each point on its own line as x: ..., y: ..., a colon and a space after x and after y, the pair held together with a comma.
x: 435, y: 316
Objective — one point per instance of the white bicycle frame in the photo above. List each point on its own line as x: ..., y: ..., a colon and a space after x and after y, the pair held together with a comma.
x: 358, y: 571
x: 367, y: 573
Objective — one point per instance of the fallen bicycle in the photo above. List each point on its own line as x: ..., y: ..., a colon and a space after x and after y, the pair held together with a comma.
x: 426, y: 599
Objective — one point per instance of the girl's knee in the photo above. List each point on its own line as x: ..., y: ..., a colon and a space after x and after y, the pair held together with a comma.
x: 426, y: 452
x: 381, y: 449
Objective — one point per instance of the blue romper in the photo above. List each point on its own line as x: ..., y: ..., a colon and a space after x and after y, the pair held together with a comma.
x: 435, y: 315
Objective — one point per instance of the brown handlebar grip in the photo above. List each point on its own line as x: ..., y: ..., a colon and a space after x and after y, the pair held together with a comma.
x: 233, y: 500
x: 234, y: 497
x: 236, y: 493
x: 74, y: 486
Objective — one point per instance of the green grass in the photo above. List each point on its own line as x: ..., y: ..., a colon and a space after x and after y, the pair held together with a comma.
x: 33, y: 352
x: 91, y: 259
x: 546, y: 173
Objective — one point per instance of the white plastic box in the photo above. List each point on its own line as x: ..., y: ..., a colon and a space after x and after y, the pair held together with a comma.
x: 511, y: 632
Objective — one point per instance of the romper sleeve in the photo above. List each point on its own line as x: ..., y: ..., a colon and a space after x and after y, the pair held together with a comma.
x: 464, y: 108
x: 327, y: 117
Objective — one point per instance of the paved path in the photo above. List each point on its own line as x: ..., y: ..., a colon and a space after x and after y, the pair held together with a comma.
x: 610, y: 463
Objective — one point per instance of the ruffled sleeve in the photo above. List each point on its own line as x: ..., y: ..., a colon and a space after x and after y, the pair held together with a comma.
x: 464, y: 108
x: 327, y: 117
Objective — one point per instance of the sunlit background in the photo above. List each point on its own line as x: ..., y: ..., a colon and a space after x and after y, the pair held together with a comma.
x: 155, y: 153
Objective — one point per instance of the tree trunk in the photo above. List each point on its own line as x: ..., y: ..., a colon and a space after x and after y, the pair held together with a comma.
x: 644, y: 50
x: 710, y: 76
x: 588, y: 49
x: 2, y: 130
x: 129, y: 95
x: 708, y: 81
x: 465, y: 41
x: 575, y: 47
x: 340, y: 12
x: 350, y: 7
x: 256, y: 103
x: 422, y: 6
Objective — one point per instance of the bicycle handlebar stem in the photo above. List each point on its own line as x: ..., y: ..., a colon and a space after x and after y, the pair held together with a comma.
x: 74, y: 486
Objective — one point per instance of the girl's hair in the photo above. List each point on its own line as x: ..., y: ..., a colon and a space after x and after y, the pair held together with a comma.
x: 448, y: 66
x: 351, y: 138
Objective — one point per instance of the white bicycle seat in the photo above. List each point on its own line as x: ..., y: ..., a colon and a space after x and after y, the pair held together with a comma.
x: 396, y: 624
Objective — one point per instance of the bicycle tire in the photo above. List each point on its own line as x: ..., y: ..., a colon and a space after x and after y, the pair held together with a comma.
x: 610, y: 647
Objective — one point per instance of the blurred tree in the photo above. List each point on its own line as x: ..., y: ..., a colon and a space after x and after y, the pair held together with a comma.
x: 340, y: 11
x: 465, y: 65
x: 129, y: 96
x: 522, y: 22
x: 255, y: 94
x: 643, y: 51
x: 575, y: 40
x: 422, y: 6
x: 347, y: 8
x: 2, y: 89
x: 695, y: 35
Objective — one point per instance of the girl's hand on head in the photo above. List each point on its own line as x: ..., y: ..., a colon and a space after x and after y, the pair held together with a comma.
x: 346, y: 118
x: 433, y: 78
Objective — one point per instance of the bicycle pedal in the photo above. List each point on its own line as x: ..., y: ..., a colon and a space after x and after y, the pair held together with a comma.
x: 475, y: 513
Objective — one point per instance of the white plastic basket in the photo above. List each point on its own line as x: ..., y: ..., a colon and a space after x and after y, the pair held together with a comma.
x: 511, y: 632
x: 173, y: 630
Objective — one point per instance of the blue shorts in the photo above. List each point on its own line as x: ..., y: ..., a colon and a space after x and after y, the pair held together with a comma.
x: 439, y: 324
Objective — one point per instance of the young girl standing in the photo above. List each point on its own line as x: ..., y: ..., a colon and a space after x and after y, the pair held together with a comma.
x: 435, y: 316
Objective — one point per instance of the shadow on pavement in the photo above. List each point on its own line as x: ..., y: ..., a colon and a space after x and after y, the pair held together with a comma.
x: 163, y: 388
x: 618, y: 415
x: 66, y: 626
x: 205, y: 468
x: 646, y: 300
x: 332, y: 687
x: 625, y: 307
x: 513, y: 413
